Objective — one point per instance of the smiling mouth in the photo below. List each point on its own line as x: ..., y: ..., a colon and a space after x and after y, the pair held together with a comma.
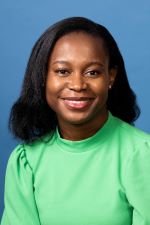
x: 77, y: 102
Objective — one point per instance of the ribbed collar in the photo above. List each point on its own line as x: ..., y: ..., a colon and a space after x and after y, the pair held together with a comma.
x: 89, y: 143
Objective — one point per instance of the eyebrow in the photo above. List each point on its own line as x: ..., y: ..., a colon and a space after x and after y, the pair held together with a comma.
x: 94, y: 62
x: 60, y: 61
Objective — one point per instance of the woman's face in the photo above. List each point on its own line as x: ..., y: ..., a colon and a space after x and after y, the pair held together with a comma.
x: 78, y: 79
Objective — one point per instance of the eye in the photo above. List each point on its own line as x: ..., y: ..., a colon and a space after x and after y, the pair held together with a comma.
x: 62, y: 71
x: 93, y: 73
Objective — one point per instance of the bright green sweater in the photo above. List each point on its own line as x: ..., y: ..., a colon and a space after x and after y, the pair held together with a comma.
x: 102, y: 180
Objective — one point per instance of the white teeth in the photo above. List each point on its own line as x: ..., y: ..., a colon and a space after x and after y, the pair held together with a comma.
x: 76, y: 102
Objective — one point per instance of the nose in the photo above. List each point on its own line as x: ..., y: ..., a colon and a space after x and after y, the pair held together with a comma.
x: 77, y: 82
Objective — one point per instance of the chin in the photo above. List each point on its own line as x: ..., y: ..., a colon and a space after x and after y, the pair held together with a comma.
x: 77, y: 121
x: 81, y: 118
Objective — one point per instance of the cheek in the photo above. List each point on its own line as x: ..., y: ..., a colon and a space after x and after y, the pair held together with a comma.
x: 53, y: 86
x: 50, y: 98
x: 52, y: 92
x: 100, y: 87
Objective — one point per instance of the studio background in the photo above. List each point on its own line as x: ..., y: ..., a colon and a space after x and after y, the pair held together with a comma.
x: 21, y: 24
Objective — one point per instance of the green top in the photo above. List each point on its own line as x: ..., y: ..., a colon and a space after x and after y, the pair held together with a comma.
x: 101, y: 180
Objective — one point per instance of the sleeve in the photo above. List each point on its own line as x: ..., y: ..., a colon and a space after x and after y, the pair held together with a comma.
x: 137, y: 184
x: 20, y: 206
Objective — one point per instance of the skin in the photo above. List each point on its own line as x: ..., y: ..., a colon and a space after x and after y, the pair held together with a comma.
x: 77, y: 84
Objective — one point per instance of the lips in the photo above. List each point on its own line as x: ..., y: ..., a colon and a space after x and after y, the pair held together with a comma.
x: 77, y: 102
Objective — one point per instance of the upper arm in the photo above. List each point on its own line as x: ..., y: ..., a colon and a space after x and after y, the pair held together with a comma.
x: 137, y: 184
x: 20, y: 205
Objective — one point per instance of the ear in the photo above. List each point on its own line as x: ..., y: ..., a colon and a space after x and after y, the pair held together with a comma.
x: 112, y: 76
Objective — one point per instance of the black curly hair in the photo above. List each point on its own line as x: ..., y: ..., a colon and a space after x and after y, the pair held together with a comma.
x: 31, y: 117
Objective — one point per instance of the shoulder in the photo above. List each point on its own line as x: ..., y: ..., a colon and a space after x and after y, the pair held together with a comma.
x: 131, y: 136
x: 130, y: 130
x: 28, y: 154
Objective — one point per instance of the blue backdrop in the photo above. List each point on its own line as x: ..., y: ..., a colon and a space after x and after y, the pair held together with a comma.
x: 22, y: 22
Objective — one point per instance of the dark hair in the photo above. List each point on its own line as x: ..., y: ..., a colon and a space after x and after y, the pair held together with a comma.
x: 31, y: 117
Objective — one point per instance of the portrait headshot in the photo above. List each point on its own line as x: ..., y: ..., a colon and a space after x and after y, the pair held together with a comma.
x: 76, y: 140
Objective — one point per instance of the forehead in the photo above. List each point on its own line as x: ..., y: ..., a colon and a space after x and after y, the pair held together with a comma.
x: 79, y: 43
x: 79, y: 36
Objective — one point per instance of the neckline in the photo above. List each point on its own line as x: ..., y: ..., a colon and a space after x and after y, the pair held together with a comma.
x: 89, y: 143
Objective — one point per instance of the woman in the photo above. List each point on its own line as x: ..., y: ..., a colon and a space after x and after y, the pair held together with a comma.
x: 81, y: 162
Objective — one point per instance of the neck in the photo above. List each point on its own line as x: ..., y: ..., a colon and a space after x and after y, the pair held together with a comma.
x: 76, y: 132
